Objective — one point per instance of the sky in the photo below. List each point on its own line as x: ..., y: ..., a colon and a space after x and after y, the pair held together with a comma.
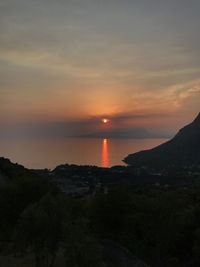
x: 66, y: 64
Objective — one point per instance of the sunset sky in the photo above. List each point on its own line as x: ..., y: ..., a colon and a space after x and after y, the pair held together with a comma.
x: 66, y: 64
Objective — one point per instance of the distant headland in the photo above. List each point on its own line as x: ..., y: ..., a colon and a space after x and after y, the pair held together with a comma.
x: 181, y: 151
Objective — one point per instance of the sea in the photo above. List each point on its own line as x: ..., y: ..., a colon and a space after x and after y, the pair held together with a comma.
x: 40, y: 153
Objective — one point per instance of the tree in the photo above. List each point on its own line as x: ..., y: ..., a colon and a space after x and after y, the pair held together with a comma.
x: 17, y: 195
x: 40, y: 230
x: 81, y: 249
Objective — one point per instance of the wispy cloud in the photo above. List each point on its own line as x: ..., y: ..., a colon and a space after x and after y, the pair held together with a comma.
x: 77, y: 59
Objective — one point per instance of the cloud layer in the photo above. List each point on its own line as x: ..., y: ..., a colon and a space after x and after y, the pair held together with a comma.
x: 64, y: 61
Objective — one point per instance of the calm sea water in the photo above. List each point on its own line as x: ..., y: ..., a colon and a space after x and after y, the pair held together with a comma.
x: 48, y: 153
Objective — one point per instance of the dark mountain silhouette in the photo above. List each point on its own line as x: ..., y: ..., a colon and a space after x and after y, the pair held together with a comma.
x: 11, y: 170
x: 181, y: 151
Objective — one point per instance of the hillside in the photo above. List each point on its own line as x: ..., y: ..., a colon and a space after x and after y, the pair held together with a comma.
x: 9, y: 169
x: 183, y: 150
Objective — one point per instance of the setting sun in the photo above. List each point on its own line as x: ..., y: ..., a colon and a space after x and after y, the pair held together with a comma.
x: 105, y: 120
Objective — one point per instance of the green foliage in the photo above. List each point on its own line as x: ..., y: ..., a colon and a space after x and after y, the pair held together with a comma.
x: 40, y: 229
x: 110, y: 213
x: 159, y: 226
x: 156, y: 225
x: 15, y: 196
x: 81, y: 248
x: 37, y: 218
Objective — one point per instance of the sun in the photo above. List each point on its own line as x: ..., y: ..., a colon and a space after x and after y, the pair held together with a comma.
x: 105, y: 120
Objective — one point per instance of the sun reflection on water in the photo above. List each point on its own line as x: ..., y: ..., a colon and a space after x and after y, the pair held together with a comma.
x: 105, y: 161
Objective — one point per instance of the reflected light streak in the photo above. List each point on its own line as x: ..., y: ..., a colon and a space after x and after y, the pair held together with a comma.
x: 105, y: 161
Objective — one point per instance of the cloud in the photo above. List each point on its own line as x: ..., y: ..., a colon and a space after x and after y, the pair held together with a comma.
x: 169, y: 99
x: 119, y: 126
x: 71, y: 59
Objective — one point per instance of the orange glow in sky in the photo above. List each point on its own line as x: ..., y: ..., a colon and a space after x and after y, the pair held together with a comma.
x: 110, y: 77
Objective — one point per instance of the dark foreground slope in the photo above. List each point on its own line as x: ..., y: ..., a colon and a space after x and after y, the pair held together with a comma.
x: 181, y: 151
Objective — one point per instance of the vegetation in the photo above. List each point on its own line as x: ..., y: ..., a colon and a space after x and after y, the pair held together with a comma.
x: 37, y: 219
x: 159, y: 225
